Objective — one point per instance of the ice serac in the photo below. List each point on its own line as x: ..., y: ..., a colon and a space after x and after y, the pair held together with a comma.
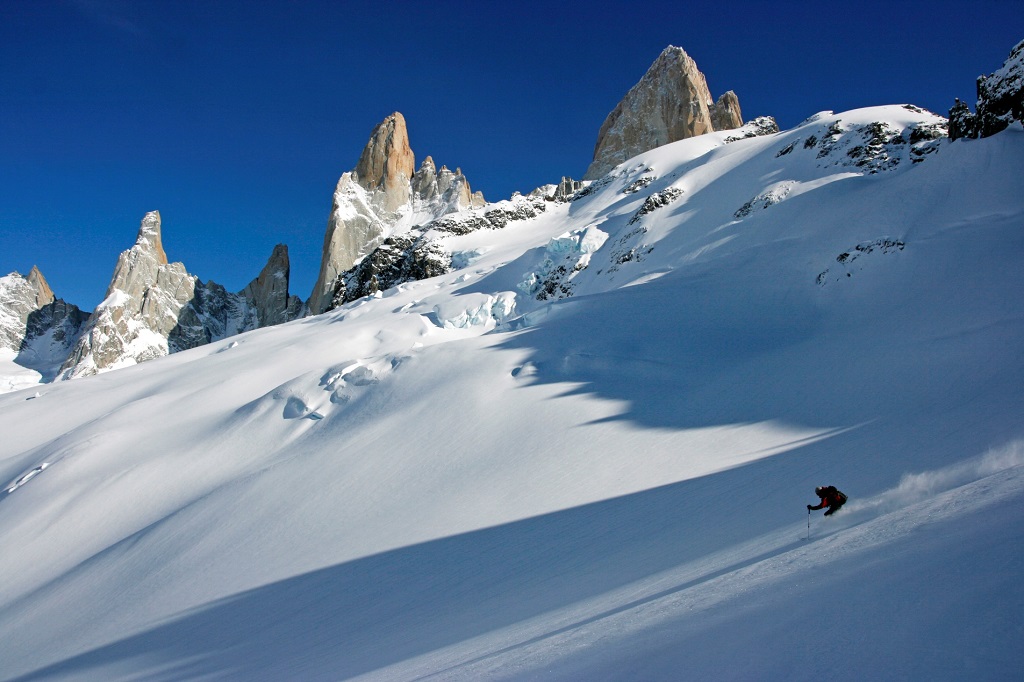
x: 383, y: 195
x: 671, y: 102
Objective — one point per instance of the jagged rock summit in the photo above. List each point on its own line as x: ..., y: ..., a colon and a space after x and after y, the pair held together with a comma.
x: 671, y: 102
x: 154, y: 307
x: 140, y: 310
x: 382, y: 196
x: 268, y: 293
x: 1000, y: 101
x: 387, y: 164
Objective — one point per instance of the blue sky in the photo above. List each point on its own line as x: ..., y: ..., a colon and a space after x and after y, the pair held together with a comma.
x: 235, y: 119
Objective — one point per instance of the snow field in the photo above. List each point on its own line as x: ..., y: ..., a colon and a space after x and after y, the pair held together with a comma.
x: 435, y: 482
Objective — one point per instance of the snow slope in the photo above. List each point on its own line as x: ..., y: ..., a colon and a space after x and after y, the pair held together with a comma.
x: 455, y: 479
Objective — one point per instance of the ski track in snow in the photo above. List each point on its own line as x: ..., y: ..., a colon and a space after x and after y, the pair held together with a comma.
x: 682, y: 596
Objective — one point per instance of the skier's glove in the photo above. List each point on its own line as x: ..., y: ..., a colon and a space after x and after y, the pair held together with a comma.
x: 809, y: 507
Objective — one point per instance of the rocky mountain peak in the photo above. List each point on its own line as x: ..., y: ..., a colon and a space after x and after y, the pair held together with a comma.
x: 153, y: 307
x: 424, y: 182
x: 43, y: 292
x: 387, y: 162
x: 725, y: 112
x: 36, y: 325
x: 141, y: 308
x: 1000, y: 101
x: 671, y: 102
x: 268, y: 293
x: 383, y: 196
x: 149, y: 238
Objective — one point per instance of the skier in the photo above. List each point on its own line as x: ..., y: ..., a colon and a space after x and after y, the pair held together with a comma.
x: 830, y: 497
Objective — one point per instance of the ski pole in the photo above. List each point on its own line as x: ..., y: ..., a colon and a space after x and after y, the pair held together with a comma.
x: 808, y: 524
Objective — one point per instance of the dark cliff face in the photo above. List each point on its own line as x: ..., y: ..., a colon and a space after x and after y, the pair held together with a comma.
x: 1000, y: 101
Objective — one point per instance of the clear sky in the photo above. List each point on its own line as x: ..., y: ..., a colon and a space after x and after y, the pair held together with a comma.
x: 235, y: 119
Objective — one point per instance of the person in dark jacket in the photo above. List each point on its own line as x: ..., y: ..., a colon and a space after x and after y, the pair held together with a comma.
x: 830, y: 497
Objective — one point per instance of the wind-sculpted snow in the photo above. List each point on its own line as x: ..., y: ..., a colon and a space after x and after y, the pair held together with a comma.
x: 25, y: 478
x: 450, y: 477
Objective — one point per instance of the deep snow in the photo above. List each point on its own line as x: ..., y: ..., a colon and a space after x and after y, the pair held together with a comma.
x: 431, y: 483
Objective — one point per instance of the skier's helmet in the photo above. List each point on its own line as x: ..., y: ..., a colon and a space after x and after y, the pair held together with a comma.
x: 819, y: 490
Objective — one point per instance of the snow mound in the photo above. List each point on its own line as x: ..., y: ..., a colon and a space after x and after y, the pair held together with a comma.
x: 25, y: 478
x: 475, y: 310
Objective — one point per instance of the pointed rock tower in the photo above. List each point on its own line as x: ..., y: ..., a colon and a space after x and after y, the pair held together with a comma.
x: 382, y: 196
x: 268, y: 293
x: 153, y: 307
x: 671, y: 102
x: 725, y: 113
x: 141, y: 308
x: 387, y: 163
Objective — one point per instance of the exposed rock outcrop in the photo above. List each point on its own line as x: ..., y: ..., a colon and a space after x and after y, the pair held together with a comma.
x: 268, y: 293
x: 1000, y: 101
x: 40, y: 287
x: 387, y: 163
x: 725, y: 113
x: 382, y: 196
x: 401, y: 258
x: 566, y: 188
x: 422, y: 251
x: 671, y: 102
x: 760, y: 126
x: 436, y: 192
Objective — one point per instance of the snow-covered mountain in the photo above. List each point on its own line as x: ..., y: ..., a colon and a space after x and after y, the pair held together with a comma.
x: 153, y: 307
x: 579, y: 447
x: 383, y: 196
x: 37, y: 330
